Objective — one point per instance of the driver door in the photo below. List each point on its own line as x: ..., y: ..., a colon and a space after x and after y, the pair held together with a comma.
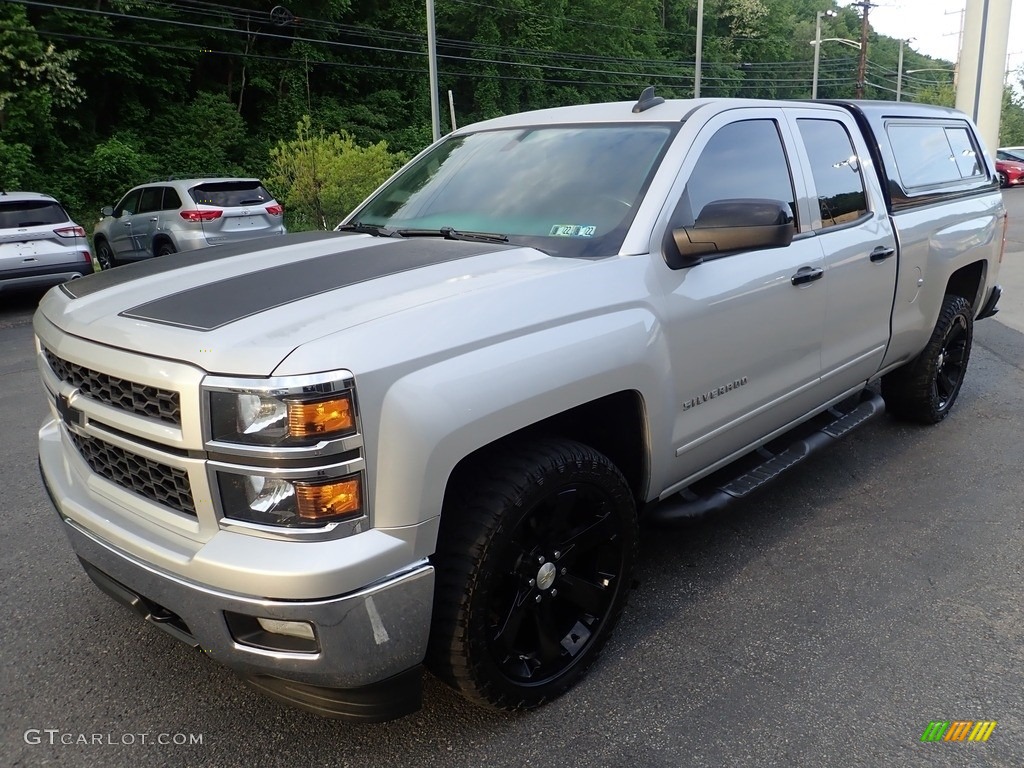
x: 121, y: 240
x: 744, y: 329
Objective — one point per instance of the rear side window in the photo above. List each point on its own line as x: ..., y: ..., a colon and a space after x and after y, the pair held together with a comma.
x: 836, y: 171
x: 230, y: 194
x: 171, y: 200
x: 742, y: 160
x: 31, y: 213
x: 933, y: 154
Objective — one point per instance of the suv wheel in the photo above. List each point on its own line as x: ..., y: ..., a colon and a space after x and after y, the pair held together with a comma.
x: 165, y: 248
x: 104, y: 255
x: 925, y: 388
x: 534, y: 564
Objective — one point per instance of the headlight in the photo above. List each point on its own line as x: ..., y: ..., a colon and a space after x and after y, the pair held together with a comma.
x: 280, y: 417
x: 293, y: 503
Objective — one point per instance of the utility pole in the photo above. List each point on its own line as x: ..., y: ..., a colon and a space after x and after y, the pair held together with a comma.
x: 435, y: 108
x: 899, y: 73
x: 700, y: 45
x: 862, y: 65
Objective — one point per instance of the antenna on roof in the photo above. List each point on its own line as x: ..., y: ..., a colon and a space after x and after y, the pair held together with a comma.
x: 647, y: 100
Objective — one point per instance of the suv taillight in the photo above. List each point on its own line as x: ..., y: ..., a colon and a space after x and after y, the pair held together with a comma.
x: 201, y: 215
x: 275, y: 210
x: 69, y: 232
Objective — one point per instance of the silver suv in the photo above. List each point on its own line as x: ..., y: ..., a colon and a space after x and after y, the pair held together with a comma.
x: 184, y: 214
x: 40, y: 245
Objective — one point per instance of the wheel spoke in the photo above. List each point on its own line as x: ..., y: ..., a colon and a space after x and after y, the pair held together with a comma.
x: 589, y: 597
x: 594, y: 535
x: 508, y: 630
x: 549, y: 646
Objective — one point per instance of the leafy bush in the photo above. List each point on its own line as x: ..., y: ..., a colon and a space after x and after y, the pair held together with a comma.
x: 320, y: 177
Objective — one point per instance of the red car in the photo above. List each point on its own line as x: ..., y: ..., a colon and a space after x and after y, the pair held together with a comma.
x: 1010, y: 167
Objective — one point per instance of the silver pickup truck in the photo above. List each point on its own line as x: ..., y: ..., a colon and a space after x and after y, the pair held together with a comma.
x: 430, y: 437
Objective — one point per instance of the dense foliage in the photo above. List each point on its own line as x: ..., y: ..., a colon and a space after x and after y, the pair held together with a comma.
x: 96, y: 95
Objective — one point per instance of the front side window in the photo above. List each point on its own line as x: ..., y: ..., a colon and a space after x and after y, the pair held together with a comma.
x: 567, y: 190
x: 836, y: 171
x: 742, y: 160
x: 129, y: 204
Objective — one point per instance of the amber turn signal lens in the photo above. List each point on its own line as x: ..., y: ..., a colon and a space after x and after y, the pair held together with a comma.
x: 329, y: 501
x: 325, y: 417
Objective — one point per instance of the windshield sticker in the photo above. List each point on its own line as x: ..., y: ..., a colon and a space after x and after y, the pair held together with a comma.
x: 573, y: 230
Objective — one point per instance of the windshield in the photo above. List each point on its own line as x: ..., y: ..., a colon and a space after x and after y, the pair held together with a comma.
x: 567, y: 190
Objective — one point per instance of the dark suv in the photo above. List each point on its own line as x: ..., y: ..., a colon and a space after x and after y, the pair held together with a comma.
x: 184, y: 214
x: 40, y: 245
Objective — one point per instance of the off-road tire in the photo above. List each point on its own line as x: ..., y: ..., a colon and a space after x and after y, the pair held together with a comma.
x: 503, y: 634
x: 925, y: 389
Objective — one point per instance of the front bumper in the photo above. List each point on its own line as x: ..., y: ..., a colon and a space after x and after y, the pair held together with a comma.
x: 369, y: 643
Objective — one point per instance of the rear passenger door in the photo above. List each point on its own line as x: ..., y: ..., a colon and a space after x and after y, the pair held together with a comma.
x: 853, y: 229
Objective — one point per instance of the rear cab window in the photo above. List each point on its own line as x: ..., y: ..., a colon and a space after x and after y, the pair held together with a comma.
x: 933, y: 154
x: 230, y: 194
x: 31, y: 213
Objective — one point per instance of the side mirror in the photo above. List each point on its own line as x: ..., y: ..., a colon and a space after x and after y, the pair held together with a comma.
x: 726, y: 226
x: 106, y: 211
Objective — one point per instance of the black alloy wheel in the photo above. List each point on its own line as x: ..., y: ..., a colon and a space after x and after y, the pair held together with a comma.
x: 165, y: 249
x: 104, y: 255
x: 534, y: 565
x: 925, y: 389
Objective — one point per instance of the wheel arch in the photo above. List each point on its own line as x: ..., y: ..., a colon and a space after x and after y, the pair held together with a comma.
x: 614, y: 425
x: 159, y: 239
x: 969, y: 282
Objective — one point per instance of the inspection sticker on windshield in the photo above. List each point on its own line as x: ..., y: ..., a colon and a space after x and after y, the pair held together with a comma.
x: 573, y: 230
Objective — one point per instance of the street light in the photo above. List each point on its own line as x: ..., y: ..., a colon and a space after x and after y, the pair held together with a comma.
x: 817, y: 48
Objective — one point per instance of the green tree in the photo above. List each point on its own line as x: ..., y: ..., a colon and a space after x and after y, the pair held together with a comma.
x: 320, y: 177
x: 35, y: 78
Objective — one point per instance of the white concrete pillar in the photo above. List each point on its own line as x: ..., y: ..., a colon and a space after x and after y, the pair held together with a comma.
x: 979, y: 91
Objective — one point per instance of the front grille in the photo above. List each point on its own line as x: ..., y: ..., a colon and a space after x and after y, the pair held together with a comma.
x: 130, y: 396
x: 157, y: 482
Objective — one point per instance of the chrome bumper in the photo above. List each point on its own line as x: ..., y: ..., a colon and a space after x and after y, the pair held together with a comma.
x: 368, y: 643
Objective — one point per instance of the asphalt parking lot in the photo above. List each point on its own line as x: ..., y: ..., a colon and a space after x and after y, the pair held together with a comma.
x: 824, y: 623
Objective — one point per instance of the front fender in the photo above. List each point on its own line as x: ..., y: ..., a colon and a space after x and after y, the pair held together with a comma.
x: 434, y: 417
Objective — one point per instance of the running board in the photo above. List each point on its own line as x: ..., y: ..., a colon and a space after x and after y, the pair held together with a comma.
x: 759, y: 468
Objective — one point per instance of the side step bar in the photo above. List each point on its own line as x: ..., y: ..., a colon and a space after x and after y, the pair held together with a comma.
x: 721, y: 489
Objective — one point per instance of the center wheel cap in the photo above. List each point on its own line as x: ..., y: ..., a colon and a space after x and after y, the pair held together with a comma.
x: 546, y: 575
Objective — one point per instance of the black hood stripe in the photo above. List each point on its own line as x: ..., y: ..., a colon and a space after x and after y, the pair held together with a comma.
x: 110, y: 278
x: 213, y: 305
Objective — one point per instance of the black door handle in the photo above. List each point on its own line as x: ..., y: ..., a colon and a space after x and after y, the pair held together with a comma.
x: 806, y: 275
x: 881, y: 253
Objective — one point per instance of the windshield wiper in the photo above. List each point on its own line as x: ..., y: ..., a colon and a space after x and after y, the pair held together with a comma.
x: 448, y: 233
x: 377, y: 230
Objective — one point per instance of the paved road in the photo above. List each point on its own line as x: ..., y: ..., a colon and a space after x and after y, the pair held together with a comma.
x: 825, y: 623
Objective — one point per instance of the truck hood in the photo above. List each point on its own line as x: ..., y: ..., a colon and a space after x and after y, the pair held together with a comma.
x: 241, y: 309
